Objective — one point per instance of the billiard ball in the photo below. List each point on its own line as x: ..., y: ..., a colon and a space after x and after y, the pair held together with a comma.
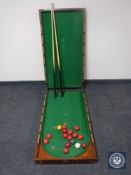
x: 77, y: 128
x: 70, y: 131
x: 46, y: 141
x: 80, y: 137
x: 67, y: 145
x: 69, y: 137
x: 64, y: 126
x: 84, y: 145
x: 48, y: 136
x: 65, y: 150
x: 64, y: 130
x: 59, y: 127
x: 72, y: 141
x: 75, y: 135
x: 65, y: 135
x: 77, y: 145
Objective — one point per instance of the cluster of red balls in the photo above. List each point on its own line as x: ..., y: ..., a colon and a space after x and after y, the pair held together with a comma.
x: 70, y: 135
x: 46, y: 139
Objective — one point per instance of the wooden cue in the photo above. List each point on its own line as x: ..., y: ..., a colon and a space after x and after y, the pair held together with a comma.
x: 57, y: 49
x: 53, y: 53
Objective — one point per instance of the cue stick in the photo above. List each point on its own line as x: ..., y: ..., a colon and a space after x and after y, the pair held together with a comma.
x: 53, y: 53
x: 57, y: 50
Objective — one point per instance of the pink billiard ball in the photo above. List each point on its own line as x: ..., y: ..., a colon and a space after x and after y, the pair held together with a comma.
x: 65, y: 135
x: 48, y: 136
x: 80, y: 137
x: 69, y: 137
x: 77, y: 128
x: 84, y: 145
x: 67, y: 145
x: 70, y: 131
x: 75, y: 135
x: 65, y: 150
x: 46, y: 141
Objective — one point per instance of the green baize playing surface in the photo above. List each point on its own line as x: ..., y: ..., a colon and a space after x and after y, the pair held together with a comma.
x: 71, y: 110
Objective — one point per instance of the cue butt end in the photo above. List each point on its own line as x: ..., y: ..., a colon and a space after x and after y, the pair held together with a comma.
x: 52, y: 6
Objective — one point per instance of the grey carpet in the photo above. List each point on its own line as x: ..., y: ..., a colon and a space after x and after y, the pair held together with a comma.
x: 20, y: 107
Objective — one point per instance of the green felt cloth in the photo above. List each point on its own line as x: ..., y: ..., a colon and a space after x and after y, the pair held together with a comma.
x: 69, y: 26
x: 71, y: 110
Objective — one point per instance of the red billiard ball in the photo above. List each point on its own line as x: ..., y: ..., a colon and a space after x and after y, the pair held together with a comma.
x: 48, y: 136
x: 67, y: 145
x: 75, y: 135
x: 80, y: 137
x: 70, y: 131
x: 65, y: 150
x: 64, y: 130
x: 64, y: 126
x: 46, y: 141
x: 69, y: 137
x: 65, y: 135
x: 77, y: 128
x: 84, y: 145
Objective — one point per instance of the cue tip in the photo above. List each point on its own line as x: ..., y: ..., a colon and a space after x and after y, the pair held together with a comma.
x: 62, y: 94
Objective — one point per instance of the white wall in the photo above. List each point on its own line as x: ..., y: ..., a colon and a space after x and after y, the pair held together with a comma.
x: 108, y: 38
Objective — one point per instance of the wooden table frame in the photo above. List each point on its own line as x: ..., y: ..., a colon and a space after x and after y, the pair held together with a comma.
x: 90, y: 154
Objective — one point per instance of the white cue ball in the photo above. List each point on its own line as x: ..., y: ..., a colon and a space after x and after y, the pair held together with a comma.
x: 77, y: 145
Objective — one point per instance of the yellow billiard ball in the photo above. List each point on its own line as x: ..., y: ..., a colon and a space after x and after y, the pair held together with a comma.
x: 59, y: 127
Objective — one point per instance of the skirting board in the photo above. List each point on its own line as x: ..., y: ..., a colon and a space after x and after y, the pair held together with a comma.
x: 86, y: 81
